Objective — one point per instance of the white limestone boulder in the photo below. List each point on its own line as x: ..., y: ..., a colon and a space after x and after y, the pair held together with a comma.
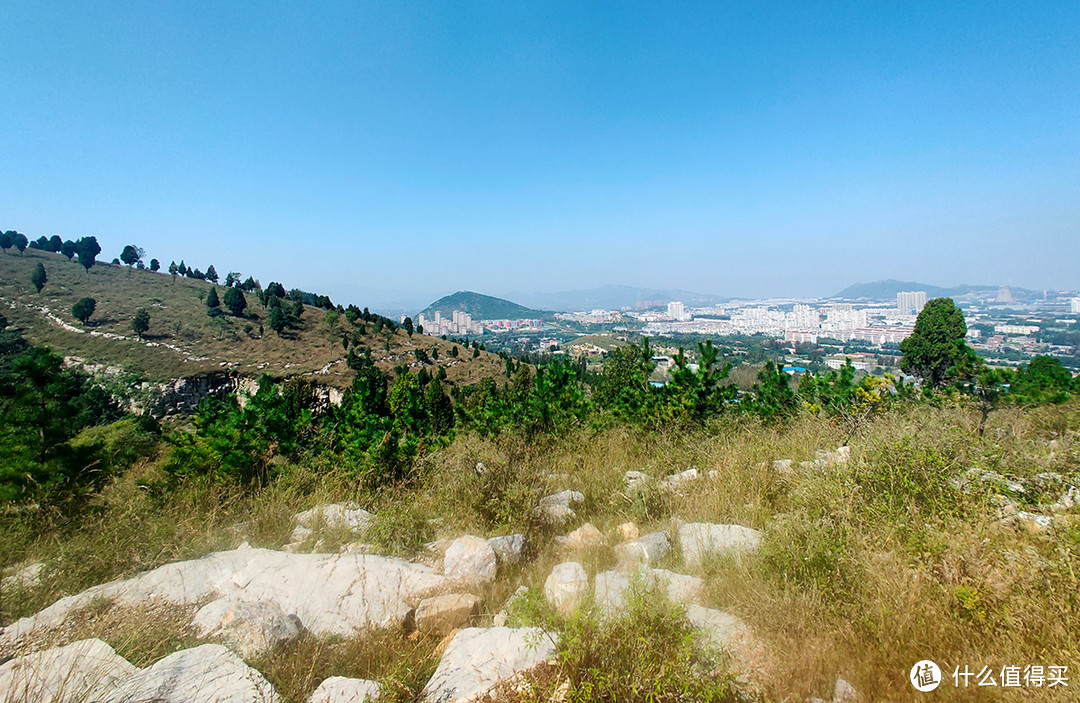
x: 82, y: 671
x: 644, y: 551
x: 248, y: 628
x: 206, y: 674
x: 478, y: 659
x: 699, y: 540
x: 339, y: 689
x: 335, y: 516
x: 566, y: 585
x: 331, y: 594
x: 469, y: 561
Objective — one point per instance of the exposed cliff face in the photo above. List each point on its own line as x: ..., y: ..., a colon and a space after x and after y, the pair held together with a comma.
x: 183, y: 395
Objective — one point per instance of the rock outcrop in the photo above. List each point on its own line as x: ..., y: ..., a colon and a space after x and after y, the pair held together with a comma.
x: 329, y: 593
x: 478, y: 659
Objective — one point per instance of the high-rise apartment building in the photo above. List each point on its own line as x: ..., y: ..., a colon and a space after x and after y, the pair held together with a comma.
x: 910, y: 302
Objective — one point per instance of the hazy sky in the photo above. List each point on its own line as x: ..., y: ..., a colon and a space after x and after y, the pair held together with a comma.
x: 729, y: 148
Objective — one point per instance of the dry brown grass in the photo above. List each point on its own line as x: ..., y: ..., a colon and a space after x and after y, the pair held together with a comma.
x: 865, y: 568
x: 178, y: 317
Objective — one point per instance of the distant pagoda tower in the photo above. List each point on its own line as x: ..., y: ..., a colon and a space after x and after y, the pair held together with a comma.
x: 1004, y: 295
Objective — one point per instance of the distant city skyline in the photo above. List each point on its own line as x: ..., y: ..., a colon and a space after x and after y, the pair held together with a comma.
x: 410, y: 151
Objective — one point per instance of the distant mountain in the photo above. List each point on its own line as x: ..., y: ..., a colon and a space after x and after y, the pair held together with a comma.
x: 887, y: 290
x: 613, y: 298
x: 481, y: 307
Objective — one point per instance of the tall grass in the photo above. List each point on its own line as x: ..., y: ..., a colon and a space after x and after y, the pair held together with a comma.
x: 865, y: 568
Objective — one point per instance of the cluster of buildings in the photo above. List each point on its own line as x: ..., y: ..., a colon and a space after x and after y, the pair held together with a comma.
x: 462, y: 323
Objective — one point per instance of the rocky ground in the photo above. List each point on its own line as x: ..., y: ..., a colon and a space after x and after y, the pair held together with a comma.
x: 244, y: 603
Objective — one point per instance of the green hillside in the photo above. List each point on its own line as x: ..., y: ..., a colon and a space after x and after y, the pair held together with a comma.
x: 183, y: 340
x: 482, y: 307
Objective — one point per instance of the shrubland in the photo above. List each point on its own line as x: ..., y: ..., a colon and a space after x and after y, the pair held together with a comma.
x: 915, y: 546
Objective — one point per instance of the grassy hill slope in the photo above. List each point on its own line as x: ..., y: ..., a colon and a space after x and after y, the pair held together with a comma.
x: 183, y: 340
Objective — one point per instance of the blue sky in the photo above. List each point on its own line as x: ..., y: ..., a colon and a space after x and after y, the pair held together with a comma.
x: 738, y: 149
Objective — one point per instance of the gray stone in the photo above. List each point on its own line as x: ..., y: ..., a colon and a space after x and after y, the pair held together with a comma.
x: 206, y: 674
x: 555, y: 509
x: 81, y: 671
x: 478, y: 659
x: 566, y: 585
x: 339, y: 689
x: 248, y: 628
x: 844, y: 692
x: 469, y: 560
x: 509, y: 548
x: 699, y: 540
x: 440, y: 615
x: 679, y: 480
x: 782, y: 466
x: 646, y: 550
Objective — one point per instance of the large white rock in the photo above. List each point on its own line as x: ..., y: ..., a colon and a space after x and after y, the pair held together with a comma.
x: 647, y: 549
x: 331, y: 594
x: 81, y: 671
x: 699, y: 540
x: 206, y: 674
x: 339, y: 689
x: 566, y: 585
x: 555, y: 509
x: 440, y: 615
x: 335, y: 515
x: 469, y: 560
x: 679, y: 588
x: 478, y: 659
x: 508, y: 548
x: 249, y: 628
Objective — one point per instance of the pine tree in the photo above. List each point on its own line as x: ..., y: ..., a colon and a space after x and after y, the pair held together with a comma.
x: 38, y: 277
x: 141, y: 322
x: 213, y: 303
x: 83, y: 309
x: 235, y: 301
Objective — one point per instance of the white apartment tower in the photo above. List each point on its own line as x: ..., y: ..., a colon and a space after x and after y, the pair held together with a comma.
x: 910, y: 302
x: 677, y: 311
